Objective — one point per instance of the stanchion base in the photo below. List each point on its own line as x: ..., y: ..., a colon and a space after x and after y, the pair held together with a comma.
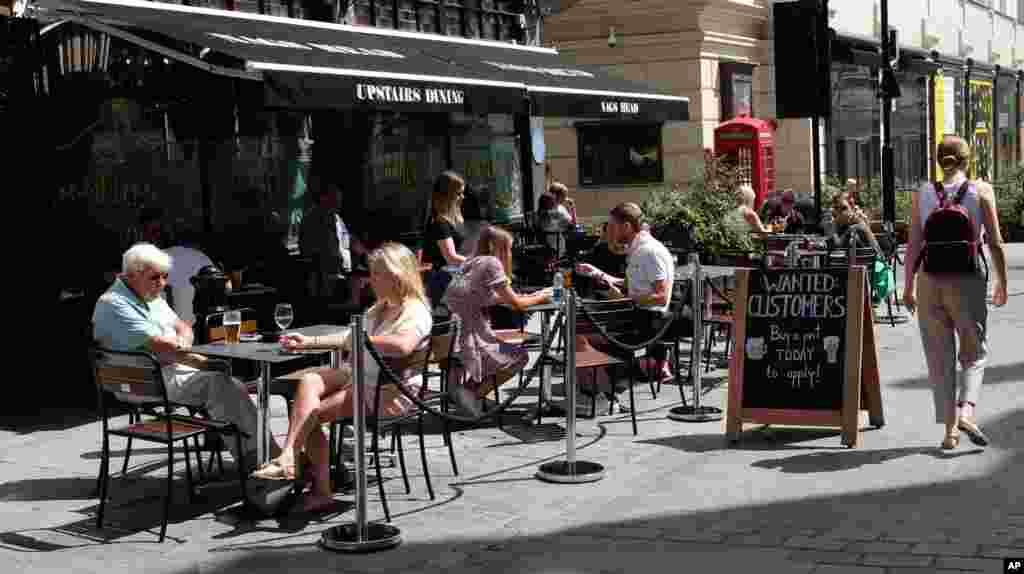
x: 343, y: 538
x: 562, y: 471
x: 689, y: 414
x: 897, y: 318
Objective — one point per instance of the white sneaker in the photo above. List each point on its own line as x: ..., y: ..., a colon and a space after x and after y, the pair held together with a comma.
x: 620, y: 404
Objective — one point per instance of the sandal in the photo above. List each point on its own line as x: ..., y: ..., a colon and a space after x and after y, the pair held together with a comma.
x: 277, y: 469
x: 973, y: 431
x: 952, y: 439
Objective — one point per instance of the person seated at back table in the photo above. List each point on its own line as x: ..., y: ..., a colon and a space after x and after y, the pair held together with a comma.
x: 131, y: 316
x: 851, y: 223
x: 610, y: 257
x: 743, y: 219
x: 397, y: 325
x: 553, y: 221
x: 485, y: 360
x: 782, y: 212
x: 188, y: 260
x: 566, y: 205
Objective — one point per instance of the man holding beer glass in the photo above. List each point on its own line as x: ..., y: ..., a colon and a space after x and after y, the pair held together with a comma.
x: 131, y: 316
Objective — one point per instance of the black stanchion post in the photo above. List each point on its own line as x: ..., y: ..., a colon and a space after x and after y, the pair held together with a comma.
x: 570, y: 470
x: 359, y: 536
x: 696, y: 413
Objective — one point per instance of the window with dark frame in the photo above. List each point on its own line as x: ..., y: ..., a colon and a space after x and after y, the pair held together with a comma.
x: 485, y: 19
x: 616, y: 154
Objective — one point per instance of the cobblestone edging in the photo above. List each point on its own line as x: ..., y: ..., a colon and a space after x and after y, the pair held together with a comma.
x: 852, y: 551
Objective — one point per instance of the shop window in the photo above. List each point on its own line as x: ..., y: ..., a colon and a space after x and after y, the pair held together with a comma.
x: 615, y: 154
x: 488, y: 19
x: 736, y: 87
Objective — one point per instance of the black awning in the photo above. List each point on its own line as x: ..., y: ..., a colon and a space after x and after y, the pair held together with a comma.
x: 559, y: 87
x: 309, y: 64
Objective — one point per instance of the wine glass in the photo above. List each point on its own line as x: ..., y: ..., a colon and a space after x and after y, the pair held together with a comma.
x: 283, y: 315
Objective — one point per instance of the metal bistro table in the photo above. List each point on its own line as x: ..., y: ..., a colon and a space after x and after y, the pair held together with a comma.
x: 548, y: 309
x: 702, y: 273
x: 266, y: 354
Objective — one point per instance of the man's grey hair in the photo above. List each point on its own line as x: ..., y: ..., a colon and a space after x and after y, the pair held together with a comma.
x: 145, y: 255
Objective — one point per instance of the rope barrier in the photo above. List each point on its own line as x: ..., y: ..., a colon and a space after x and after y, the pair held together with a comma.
x: 393, y: 378
x: 621, y: 344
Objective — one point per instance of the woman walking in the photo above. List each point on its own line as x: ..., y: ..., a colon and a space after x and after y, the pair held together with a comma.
x: 952, y: 298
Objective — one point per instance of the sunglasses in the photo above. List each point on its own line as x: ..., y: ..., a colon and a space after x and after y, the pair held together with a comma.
x: 157, y: 277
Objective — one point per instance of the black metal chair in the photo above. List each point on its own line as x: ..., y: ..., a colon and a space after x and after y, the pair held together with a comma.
x: 381, y: 424
x: 136, y: 378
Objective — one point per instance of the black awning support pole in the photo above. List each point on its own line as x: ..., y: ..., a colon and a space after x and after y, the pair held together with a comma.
x: 525, y: 133
x: 205, y: 151
x: 887, y: 85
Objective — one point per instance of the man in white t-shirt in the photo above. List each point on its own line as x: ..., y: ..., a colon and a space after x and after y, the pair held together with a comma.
x: 188, y: 260
x: 650, y: 273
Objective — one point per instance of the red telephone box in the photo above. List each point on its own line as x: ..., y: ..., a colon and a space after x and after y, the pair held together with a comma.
x: 750, y: 144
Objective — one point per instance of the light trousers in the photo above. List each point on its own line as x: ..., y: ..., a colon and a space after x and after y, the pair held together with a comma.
x: 952, y: 310
x: 225, y: 398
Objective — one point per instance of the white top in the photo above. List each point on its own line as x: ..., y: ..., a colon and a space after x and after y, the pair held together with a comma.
x: 649, y: 262
x: 185, y: 263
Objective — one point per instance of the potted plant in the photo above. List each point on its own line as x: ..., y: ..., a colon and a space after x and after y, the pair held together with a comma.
x: 689, y: 216
x: 504, y: 203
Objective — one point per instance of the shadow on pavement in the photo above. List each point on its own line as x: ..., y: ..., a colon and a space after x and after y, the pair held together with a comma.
x: 47, y: 419
x: 959, y: 510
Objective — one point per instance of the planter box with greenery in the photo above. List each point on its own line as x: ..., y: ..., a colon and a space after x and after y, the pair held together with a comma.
x: 689, y: 215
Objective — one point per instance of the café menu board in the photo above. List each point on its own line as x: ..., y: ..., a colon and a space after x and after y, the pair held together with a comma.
x: 795, y: 339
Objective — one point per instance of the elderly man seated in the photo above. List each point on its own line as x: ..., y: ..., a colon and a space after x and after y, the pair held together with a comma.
x: 132, y: 316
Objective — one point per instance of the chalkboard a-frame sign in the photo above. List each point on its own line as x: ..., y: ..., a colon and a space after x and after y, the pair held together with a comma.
x: 805, y: 352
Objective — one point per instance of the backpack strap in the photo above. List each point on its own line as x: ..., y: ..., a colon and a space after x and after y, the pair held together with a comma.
x: 940, y: 193
x: 963, y: 191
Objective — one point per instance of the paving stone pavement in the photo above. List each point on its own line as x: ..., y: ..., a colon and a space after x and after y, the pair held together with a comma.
x: 676, y: 497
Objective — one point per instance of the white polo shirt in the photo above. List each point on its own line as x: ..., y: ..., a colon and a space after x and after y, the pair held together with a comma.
x: 649, y: 262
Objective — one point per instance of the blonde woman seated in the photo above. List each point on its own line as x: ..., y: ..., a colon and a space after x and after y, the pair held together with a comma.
x: 486, y: 361
x: 397, y: 325
x: 743, y: 219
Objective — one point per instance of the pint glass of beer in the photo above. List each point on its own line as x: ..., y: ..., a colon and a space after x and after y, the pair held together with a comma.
x: 232, y: 326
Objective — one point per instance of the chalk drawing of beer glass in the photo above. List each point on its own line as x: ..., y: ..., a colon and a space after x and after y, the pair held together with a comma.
x: 755, y: 348
x: 831, y: 344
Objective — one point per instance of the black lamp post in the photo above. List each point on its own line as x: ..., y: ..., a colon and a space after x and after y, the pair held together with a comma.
x: 889, y: 90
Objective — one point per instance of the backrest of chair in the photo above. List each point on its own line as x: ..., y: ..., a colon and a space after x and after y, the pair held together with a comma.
x: 443, y: 336
x: 614, y: 316
x: 130, y: 376
x: 215, y: 324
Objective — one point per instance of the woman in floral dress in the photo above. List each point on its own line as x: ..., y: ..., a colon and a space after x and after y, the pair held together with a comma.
x: 485, y: 361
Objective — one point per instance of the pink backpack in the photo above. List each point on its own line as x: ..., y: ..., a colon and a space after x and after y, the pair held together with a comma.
x: 950, y: 236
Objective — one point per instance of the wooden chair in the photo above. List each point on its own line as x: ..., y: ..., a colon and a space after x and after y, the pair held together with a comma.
x: 137, y: 378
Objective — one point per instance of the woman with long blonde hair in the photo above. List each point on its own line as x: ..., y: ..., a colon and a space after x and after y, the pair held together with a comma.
x: 952, y: 301
x: 398, y: 325
x: 485, y: 360
x: 443, y: 235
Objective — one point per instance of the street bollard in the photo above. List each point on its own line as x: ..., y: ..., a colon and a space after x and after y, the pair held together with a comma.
x: 570, y: 470
x: 359, y: 536
x: 696, y: 413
